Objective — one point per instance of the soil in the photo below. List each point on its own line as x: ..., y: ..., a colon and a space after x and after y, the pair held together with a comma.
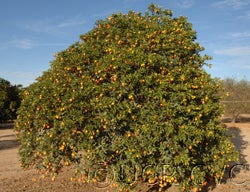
x: 14, y: 179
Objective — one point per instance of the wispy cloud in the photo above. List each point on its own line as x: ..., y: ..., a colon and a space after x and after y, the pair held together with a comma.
x: 70, y: 22
x: 43, y: 26
x: 17, y: 43
x: 234, y: 51
x: 246, y: 16
x: 24, y: 78
x: 27, y: 44
x: 22, y: 43
x: 240, y: 63
x: 185, y: 4
x: 49, y: 26
x: 241, y: 35
x: 235, y: 4
x: 245, y: 66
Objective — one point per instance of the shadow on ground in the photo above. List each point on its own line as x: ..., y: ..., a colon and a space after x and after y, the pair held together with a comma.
x: 239, y: 142
x: 237, y: 174
x: 8, y: 144
x: 8, y: 141
x: 8, y: 125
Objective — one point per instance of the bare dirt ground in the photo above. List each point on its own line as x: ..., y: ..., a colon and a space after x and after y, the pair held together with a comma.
x: 15, y: 179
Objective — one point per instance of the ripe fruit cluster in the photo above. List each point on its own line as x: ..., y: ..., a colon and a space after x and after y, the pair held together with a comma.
x: 132, y: 90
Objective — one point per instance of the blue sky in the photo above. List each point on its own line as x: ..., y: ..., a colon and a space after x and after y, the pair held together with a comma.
x: 32, y: 31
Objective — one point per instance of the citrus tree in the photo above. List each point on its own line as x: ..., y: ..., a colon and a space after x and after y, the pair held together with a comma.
x: 129, y: 102
x: 236, y: 97
x: 9, y: 100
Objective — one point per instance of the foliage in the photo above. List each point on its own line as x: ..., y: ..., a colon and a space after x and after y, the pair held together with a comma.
x: 236, y: 97
x: 9, y: 100
x: 130, y: 97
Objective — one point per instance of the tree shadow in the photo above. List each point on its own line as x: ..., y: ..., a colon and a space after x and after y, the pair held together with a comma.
x: 233, y: 173
x: 244, y: 118
x: 8, y: 144
x: 239, y: 142
x: 8, y: 141
x: 4, y: 136
x: 8, y: 125
x: 240, y: 119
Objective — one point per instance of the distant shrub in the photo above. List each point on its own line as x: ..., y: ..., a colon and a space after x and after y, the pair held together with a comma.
x: 9, y: 100
x: 236, y: 97
x: 130, y: 97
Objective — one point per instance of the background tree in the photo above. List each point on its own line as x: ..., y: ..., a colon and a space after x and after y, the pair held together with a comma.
x: 236, y: 97
x: 9, y: 100
x: 132, y: 97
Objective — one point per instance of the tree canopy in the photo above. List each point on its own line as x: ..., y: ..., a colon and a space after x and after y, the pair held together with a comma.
x: 9, y: 100
x: 132, y: 97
